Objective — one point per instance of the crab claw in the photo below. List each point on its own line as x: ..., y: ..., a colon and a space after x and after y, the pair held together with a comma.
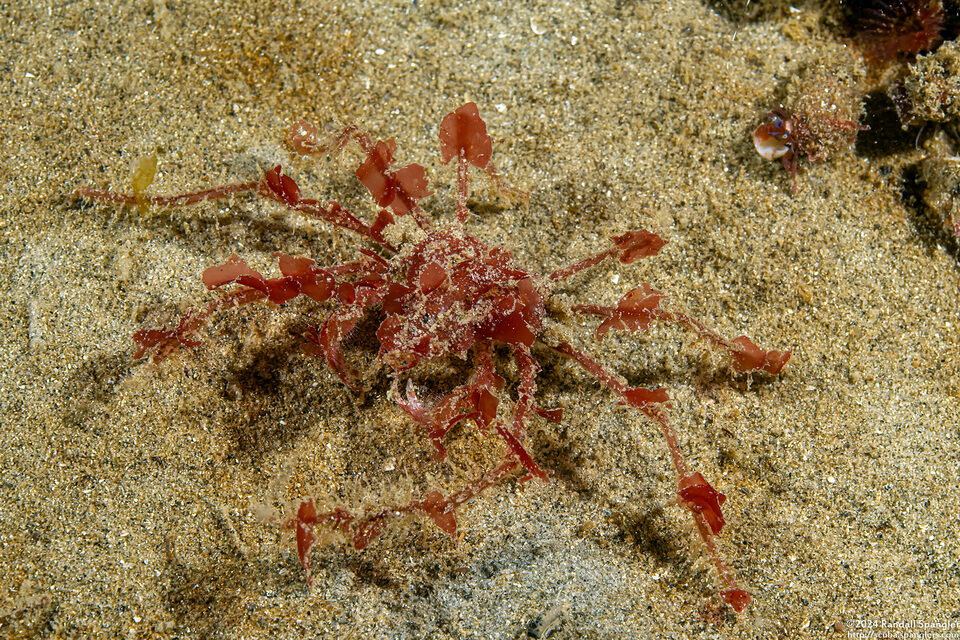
x: 768, y: 142
x: 773, y: 140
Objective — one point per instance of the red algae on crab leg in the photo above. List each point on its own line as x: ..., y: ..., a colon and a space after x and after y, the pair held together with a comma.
x: 448, y: 295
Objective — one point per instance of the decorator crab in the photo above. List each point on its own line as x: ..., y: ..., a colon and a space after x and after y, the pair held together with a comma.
x: 823, y: 120
x: 445, y: 294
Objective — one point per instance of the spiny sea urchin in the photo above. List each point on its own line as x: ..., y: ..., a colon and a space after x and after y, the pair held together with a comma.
x: 885, y: 29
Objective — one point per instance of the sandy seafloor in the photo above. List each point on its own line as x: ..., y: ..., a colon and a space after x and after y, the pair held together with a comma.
x: 135, y: 499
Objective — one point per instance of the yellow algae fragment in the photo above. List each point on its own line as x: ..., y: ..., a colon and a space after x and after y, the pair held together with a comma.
x: 144, y: 171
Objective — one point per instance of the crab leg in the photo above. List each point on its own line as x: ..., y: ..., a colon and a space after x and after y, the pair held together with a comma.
x: 180, y: 200
x: 646, y: 400
x: 641, y: 306
x: 326, y: 341
x: 474, y: 400
x: 363, y: 530
x: 160, y: 343
x: 515, y: 436
x: 300, y: 276
x: 274, y: 186
x: 693, y: 492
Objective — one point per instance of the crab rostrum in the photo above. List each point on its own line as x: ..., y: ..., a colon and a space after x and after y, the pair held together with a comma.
x: 449, y: 294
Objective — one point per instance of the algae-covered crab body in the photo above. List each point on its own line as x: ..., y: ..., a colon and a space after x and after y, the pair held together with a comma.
x: 448, y: 295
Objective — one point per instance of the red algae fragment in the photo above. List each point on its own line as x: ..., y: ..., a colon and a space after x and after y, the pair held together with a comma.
x: 306, y: 538
x: 634, y: 312
x: 300, y: 276
x: 304, y: 138
x: 747, y: 356
x: 230, y: 271
x: 399, y: 190
x: 696, y: 494
x: 463, y: 134
x: 638, y: 244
